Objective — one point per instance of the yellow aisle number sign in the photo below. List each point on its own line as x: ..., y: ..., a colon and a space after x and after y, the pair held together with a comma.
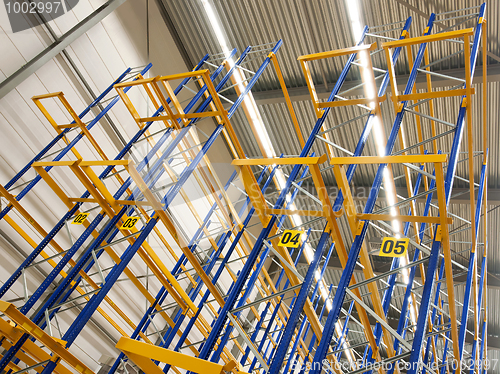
x: 129, y: 223
x: 393, y: 247
x: 80, y: 218
x: 290, y: 238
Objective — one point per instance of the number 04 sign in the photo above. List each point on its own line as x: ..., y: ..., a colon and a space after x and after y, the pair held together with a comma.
x: 290, y: 238
x: 393, y: 247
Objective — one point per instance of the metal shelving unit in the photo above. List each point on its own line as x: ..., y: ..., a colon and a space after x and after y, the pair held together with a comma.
x: 220, y: 290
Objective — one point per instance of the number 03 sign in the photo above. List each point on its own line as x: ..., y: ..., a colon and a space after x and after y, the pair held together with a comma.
x: 129, y: 223
x: 290, y: 238
x: 393, y: 247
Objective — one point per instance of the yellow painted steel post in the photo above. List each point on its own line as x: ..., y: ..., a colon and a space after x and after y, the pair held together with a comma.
x: 202, y: 186
x: 142, y: 354
x: 288, y: 102
x: 94, y: 191
x: 56, y: 346
x: 443, y: 237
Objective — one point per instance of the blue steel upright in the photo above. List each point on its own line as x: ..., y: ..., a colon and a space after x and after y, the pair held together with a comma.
x: 345, y: 279
x: 96, y: 299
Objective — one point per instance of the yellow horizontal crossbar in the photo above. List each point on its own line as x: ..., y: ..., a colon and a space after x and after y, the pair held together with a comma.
x: 365, y: 160
x: 337, y: 103
x: 200, y: 115
x: 55, y: 163
x: 390, y: 217
x: 68, y: 126
x: 157, y: 118
x: 46, y: 96
x: 188, y: 74
x: 337, y: 52
x: 82, y: 163
x: 435, y: 94
x: 333, y: 104
x: 134, y: 83
x: 142, y: 354
x: 13, y: 333
x: 280, y: 161
x: 105, y: 163
x: 35, y: 331
x: 177, y: 116
x: 429, y: 38
x: 121, y: 202
x: 307, y: 213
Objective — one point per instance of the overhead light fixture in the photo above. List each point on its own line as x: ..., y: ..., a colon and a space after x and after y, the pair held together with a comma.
x: 378, y: 135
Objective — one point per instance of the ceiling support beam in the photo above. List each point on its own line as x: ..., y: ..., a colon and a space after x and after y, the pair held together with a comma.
x: 58, y: 46
x: 438, y: 24
x: 361, y: 193
x: 175, y: 34
x: 302, y: 93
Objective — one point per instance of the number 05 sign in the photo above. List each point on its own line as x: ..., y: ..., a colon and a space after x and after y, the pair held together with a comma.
x: 393, y: 247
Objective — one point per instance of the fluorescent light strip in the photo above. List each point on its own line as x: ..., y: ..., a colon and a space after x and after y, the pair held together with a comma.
x: 268, y: 151
x: 354, y: 15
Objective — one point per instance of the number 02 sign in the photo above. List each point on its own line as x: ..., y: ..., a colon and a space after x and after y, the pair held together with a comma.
x: 290, y: 238
x: 80, y: 218
x: 393, y: 247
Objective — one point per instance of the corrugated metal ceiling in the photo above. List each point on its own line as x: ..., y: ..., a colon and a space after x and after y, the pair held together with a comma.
x: 321, y: 25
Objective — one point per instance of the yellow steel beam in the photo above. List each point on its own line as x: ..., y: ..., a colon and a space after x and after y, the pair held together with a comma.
x: 128, y: 103
x: 435, y: 94
x: 288, y: 102
x: 426, y: 184
x: 136, y: 82
x: 106, y: 163
x: 79, y: 289
x: 338, y: 52
x: 443, y: 236
x: 254, y: 193
x: 280, y: 161
x: 120, y: 202
x: 46, y: 96
x: 402, y: 218
x: 33, y: 352
x: 207, y: 326
x: 339, y: 103
x: 142, y: 354
x: 339, y: 245
x: 23, y: 357
x: 431, y: 106
x: 189, y: 74
x: 428, y: 38
x: 307, y: 213
x: 364, y: 160
x: 157, y: 265
x: 310, y: 86
x: 48, y: 341
x: 318, y: 107
x: 355, y: 225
